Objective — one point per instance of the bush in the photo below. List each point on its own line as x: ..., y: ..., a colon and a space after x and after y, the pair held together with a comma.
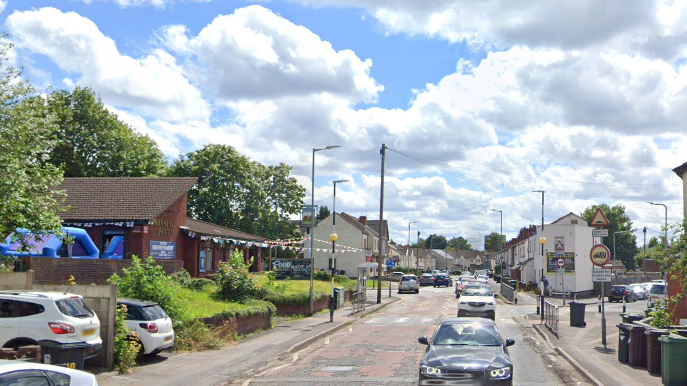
x: 234, y: 281
x: 181, y: 277
x: 125, y: 349
x: 322, y: 275
x: 341, y: 279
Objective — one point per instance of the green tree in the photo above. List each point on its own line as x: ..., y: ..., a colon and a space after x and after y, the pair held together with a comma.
x: 654, y: 242
x: 92, y: 142
x: 238, y: 193
x: 491, y: 243
x: 674, y: 257
x: 323, y: 212
x: 28, y: 187
x: 625, y: 243
x: 460, y: 243
x: 436, y: 242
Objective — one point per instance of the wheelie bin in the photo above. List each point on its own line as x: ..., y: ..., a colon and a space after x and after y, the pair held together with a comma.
x: 631, y: 317
x: 636, y: 345
x: 623, y: 337
x: 653, y: 350
x: 673, y: 354
x: 577, y: 314
x: 71, y: 355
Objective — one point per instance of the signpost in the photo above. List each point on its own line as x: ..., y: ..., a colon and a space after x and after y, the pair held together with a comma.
x: 599, y: 255
x: 601, y: 275
x: 389, y: 265
x: 600, y: 233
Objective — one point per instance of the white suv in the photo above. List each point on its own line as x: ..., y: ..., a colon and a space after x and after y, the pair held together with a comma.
x: 27, y: 317
x: 477, y: 300
x: 151, y: 324
x: 409, y: 283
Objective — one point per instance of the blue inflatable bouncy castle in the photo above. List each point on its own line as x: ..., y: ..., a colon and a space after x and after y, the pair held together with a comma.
x: 50, y: 245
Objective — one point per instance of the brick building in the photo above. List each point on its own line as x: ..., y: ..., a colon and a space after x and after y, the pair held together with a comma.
x: 148, y: 217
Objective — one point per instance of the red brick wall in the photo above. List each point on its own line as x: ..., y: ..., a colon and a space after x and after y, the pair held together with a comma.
x: 86, y: 271
x: 673, y: 289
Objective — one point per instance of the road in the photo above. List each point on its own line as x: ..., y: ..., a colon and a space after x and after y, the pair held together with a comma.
x: 382, y: 348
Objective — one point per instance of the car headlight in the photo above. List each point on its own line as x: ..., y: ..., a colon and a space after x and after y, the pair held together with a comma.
x: 429, y: 370
x: 502, y: 373
x: 490, y: 303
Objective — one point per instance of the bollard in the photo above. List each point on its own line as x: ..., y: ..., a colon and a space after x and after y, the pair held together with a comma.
x: 538, y: 305
x: 624, y: 309
x: 598, y: 301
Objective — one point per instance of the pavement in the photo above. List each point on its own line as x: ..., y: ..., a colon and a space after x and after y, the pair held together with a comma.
x: 582, y: 346
x: 249, y: 355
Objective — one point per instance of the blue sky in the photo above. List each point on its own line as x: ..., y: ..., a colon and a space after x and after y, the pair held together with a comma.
x: 482, y: 102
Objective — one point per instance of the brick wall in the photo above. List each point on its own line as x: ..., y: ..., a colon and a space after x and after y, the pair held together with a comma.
x: 242, y: 324
x: 86, y: 271
x: 675, y: 288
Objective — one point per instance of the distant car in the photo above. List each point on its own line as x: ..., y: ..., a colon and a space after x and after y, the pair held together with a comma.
x: 397, y: 275
x: 618, y: 292
x: 466, y: 274
x: 409, y: 283
x: 441, y: 279
x: 426, y: 279
x: 480, y: 272
x: 477, y: 300
x: 638, y: 289
x: 482, y: 279
x: 468, y: 351
x: 151, y: 324
x: 460, y: 284
x: 657, y: 293
x: 14, y: 372
x: 435, y: 272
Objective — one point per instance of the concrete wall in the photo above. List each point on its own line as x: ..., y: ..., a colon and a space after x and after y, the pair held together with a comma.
x: 16, y: 280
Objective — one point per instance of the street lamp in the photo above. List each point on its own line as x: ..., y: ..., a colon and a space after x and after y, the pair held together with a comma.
x: 665, y: 244
x: 333, y: 237
x: 312, y: 232
x: 408, y: 250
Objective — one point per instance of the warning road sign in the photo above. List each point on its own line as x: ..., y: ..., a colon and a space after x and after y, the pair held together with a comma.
x: 561, y: 263
x: 599, y: 219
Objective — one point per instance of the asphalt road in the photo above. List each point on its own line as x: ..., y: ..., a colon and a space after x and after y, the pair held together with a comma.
x: 382, y: 349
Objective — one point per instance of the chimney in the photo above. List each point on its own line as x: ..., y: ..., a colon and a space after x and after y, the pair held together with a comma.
x: 363, y: 220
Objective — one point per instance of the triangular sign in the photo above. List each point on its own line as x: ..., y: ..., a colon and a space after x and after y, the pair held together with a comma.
x: 599, y: 219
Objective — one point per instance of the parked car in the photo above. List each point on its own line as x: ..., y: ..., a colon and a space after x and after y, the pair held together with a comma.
x: 657, y: 293
x: 409, y: 283
x: 480, y: 272
x: 482, y: 279
x: 618, y: 292
x: 151, y: 325
x: 31, y: 316
x: 469, y: 349
x: 460, y: 284
x: 638, y: 289
x: 441, y: 279
x: 477, y: 300
x: 426, y: 279
x: 18, y: 373
x: 397, y: 275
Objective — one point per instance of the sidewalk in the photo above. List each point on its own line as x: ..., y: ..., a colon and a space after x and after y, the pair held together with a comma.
x: 246, y: 356
x: 583, y: 348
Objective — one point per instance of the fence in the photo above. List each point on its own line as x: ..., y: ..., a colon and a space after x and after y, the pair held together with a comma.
x: 508, y: 292
x: 551, y: 317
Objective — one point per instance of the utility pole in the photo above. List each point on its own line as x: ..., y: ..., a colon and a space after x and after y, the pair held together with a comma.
x: 417, y: 260
x: 381, y: 227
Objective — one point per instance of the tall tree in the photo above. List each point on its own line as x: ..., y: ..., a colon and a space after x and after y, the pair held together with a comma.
x: 238, y: 193
x: 491, y: 242
x: 93, y: 142
x: 436, y: 242
x: 674, y: 258
x: 28, y: 196
x: 460, y: 243
x: 323, y: 212
x: 625, y: 243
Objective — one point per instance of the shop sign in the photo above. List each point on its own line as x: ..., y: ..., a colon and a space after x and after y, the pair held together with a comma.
x: 165, y: 250
x: 553, y: 265
x: 296, y: 269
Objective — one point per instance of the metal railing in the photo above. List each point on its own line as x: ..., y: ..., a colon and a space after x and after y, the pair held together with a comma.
x: 508, y: 292
x: 358, y: 298
x: 551, y: 317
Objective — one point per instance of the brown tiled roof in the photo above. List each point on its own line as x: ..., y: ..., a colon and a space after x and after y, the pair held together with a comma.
x: 121, y: 198
x: 207, y: 229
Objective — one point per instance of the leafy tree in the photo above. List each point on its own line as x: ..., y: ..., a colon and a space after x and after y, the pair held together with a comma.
x: 625, y: 243
x: 460, y: 243
x: 238, y: 193
x: 28, y: 196
x: 654, y: 242
x: 323, y: 213
x: 92, y: 142
x: 491, y: 243
x: 674, y: 257
x: 234, y: 282
x: 436, y: 242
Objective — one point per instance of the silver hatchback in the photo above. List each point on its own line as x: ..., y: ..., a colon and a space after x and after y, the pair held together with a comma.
x: 409, y: 283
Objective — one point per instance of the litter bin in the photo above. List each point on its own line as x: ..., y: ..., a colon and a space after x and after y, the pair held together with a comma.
x: 338, y: 297
x: 623, y: 337
x: 71, y: 355
x: 673, y: 354
x: 636, y: 346
x: 577, y: 314
x: 653, y: 350
x: 631, y: 317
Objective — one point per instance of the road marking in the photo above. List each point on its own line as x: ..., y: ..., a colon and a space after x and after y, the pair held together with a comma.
x: 402, y: 320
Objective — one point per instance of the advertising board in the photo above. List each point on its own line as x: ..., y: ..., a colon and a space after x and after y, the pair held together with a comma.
x: 552, y: 265
x: 296, y: 269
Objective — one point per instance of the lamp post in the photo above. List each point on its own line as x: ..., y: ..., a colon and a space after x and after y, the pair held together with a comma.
x: 333, y: 237
x: 417, y: 261
x: 312, y: 230
x: 665, y: 244
x: 542, y: 241
x: 408, y: 253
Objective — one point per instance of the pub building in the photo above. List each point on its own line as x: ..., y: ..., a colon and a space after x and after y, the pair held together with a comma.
x: 126, y: 216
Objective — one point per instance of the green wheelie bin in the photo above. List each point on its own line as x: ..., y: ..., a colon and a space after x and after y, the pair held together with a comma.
x: 673, y: 354
x: 623, y: 337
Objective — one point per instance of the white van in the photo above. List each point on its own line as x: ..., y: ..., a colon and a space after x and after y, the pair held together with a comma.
x: 657, y: 293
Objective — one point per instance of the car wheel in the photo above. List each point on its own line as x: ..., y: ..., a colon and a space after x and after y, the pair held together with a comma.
x: 399, y: 292
x: 417, y: 291
x: 19, y: 343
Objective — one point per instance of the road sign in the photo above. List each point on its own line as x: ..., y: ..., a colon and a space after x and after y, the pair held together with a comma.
x: 561, y: 271
x: 601, y: 275
x: 600, y: 233
x: 599, y: 255
x: 390, y: 264
x: 599, y: 219
x: 561, y: 263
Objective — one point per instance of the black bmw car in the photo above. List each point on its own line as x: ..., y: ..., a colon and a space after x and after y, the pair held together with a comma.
x: 466, y: 351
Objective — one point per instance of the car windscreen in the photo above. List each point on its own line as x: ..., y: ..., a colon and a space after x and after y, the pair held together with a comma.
x: 74, y: 307
x: 408, y: 278
x: 477, y: 291
x: 658, y: 289
x: 467, y: 334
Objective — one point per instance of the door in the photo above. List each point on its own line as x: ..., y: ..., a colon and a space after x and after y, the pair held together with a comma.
x: 9, y: 320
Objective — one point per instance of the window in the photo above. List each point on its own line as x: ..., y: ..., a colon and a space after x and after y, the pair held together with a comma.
x: 74, y: 307
x: 7, y: 308
x: 28, y: 309
x: 24, y: 378
x: 201, y: 260
x: 59, y: 379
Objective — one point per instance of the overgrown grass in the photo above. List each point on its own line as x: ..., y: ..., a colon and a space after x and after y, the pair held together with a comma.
x: 199, y: 304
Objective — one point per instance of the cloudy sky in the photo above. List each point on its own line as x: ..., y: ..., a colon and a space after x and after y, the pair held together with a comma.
x: 479, y: 102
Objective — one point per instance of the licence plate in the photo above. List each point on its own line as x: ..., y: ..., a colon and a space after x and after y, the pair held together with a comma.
x: 168, y: 339
x: 88, y: 332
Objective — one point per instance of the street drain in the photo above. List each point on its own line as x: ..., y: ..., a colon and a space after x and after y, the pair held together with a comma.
x: 338, y: 368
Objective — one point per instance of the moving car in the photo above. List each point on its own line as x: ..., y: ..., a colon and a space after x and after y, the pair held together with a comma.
x: 18, y: 373
x: 441, y: 279
x: 31, y: 316
x: 409, y: 283
x: 466, y: 351
x: 638, y: 289
x: 460, y: 284
x: 657, y: 293
x: 618, y: 292
x: 426, y: 279
x: 477, y: 300
x: 151, y: 324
